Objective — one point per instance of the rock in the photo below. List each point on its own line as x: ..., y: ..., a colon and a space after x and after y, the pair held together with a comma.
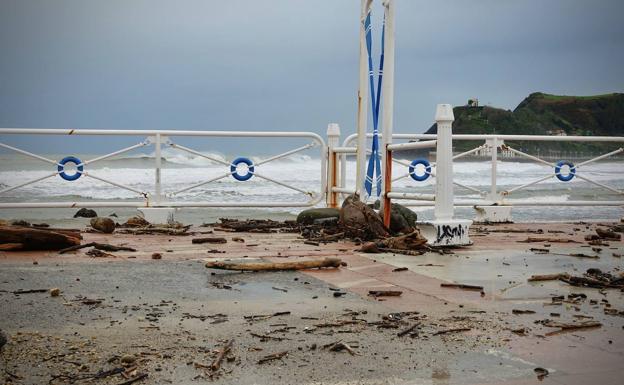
x: 3, y: 222
x: 113, y: 215
x: 310, y: 216
x: 3, y: 339
x: 20, y: 222
x: 55, y: 292
x: 127, y: 359
x: 85, y: 213
x: 402, y: 219
x: 105, y: 225
x: 136, y: 222
x: 360, y: 220
x: 156, y: 256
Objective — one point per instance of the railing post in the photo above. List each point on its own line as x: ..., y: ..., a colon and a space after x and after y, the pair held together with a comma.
x: 498, y: 213
x: 445, y: 230
x: 156, y: 214
x: 333, y: 140
x: 444, y: 163
x: 157, y: 155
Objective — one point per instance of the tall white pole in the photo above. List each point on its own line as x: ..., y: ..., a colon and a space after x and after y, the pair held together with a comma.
x: 362, y: 118
x: 388, y: 105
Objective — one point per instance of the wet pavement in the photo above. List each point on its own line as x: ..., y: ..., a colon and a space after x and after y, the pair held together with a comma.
x: 172, y: 314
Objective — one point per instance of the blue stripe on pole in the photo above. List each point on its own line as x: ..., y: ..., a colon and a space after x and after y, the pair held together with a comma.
x: 373, y: 173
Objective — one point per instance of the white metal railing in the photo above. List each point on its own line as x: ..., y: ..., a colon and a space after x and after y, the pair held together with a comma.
x: 158, y: 139
x: 494, y: 195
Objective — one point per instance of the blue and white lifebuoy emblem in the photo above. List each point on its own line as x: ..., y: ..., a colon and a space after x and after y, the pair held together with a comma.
x: 234, y: 169
x: 571, y: 172
x: 74, y: 160
x: 412, y: 170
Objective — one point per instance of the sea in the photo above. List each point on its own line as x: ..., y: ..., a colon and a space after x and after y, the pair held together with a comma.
x: 302, y: 171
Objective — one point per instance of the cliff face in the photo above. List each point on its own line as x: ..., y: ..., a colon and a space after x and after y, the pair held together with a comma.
x: 544, y: 114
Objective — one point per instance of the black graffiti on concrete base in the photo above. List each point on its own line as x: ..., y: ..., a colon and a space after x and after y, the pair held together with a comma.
x: 449, y: 232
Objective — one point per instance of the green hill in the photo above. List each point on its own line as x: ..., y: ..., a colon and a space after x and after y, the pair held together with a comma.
x: 544, y: 114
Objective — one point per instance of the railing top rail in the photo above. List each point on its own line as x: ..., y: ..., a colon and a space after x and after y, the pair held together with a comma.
x: 64, y: 131
x: 543, y: 138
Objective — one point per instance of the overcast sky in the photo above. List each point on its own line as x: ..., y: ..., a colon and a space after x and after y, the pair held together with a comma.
x: 287, y: 64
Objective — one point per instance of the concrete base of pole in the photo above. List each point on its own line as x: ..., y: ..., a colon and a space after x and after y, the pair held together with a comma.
x: 452, y: 232
x: 158, y: 215
x: 493, y: 214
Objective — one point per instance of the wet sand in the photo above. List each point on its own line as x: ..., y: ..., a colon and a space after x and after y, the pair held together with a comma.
x: 172, y: 314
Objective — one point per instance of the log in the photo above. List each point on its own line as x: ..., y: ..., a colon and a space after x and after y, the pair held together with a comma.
x: 608, y: 234
x: 37, y: 239
x: 209, y: 240
x: 385, y: 293
x: 272, y: 357
x: 548, y: 277
x: 99, y: 246
x: 270, y: 266
x: 461, y: 286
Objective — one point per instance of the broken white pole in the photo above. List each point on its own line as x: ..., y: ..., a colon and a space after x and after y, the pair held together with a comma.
x: 445, y: 230
x: 499, y: 213
x: 333, y: 141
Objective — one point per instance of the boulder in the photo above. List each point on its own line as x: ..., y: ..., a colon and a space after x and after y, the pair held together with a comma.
x: 310, y: 216
x: 20, y: 222
x: 402, y: 219
x: 105, y: 225
x: 85, y: 213
x: 136, y: 222
x: 360, y: 220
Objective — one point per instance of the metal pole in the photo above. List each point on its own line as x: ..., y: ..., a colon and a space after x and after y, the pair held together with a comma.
x: 388, y: 109
x: 362, y: 118
x: 333, y: 140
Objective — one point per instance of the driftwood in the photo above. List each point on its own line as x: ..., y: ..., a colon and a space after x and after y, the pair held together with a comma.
x: 549, y: 239
x: 216, y: 364
x: 154, y: 230
x: 99, y: 246
x: 339, y: 346
x: 461, y: 286
x: 265, y: 316
x: 456, y: 330
x: 411, y: 241
x: 384, y: 293
x: 409, y: 330
x: 256, y: 225
x: 608, y: 234
x: 548, y: 277
x: 270, y: 266
x: 30, y: 291
x: 271, y: 357
x: 27, y: 238
x: 570, y: 326
x: 209, y: 240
